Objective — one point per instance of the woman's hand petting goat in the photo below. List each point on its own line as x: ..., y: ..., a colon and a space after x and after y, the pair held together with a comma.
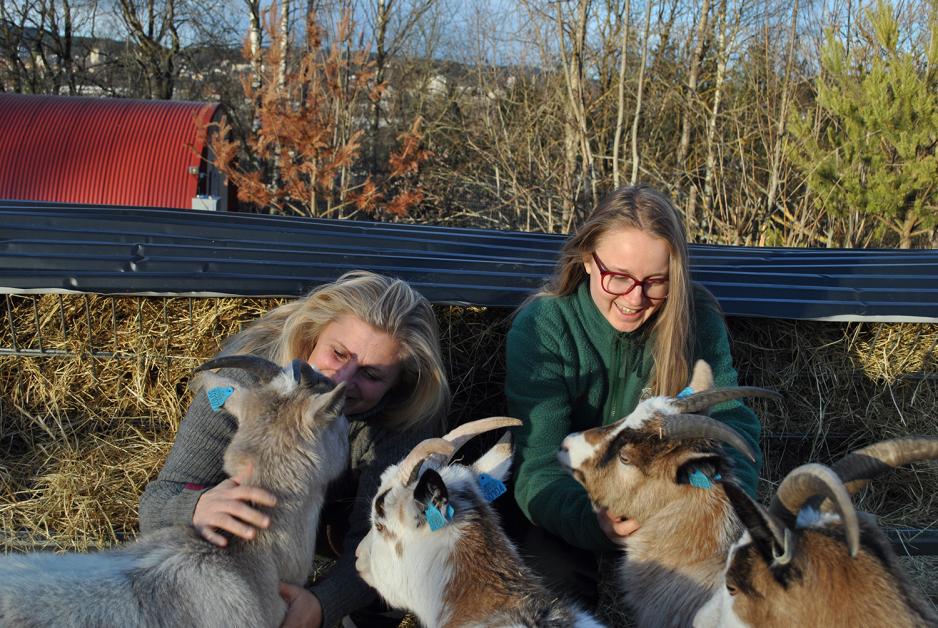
x: 616, y: 528
x: 226, y: 507
x: 379, y: 338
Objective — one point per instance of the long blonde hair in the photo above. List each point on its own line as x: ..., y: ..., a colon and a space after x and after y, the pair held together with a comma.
x: 641, y: 207
x: 290, y: 331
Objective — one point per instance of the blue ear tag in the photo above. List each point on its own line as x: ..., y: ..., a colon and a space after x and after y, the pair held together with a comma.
x: 218, y: 396
x: 687, y: 392
x: 435, y: 518
x: 699, y: 479
x: 491, y: 488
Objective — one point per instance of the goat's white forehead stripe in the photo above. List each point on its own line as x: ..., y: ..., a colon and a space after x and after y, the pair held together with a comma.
x: 576, y: 450
x: 645, y: 411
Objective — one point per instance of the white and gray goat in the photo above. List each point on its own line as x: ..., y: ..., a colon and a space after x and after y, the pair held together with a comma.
x: 435, y: 547
x: 663, y: 466
x: 798, y: 564
x: 293, y: 436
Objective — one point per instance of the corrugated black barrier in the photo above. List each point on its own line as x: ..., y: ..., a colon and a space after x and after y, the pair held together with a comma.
x: 51, y: 248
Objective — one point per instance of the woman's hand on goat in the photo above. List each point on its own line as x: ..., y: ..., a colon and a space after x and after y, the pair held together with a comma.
x: 616, y: 528
x: 225, y: 507
x: 303, y: 607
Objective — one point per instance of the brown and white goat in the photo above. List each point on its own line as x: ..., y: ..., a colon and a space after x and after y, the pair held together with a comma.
x: 293, y: 436
x: 662, y: 466
x: 800, y: 565
x: 459, y: 569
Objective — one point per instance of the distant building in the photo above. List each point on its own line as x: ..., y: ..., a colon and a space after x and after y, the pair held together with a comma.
x: 108, y: 151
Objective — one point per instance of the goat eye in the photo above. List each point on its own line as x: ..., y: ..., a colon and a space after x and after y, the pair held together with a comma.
x: 624, y: 458
x: 731, y: 589
x: 379, y: 527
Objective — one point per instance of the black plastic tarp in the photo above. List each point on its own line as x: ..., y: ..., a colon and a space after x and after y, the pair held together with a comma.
x: 109, y: 250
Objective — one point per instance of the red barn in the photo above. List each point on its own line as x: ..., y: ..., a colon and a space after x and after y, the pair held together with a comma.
x: 108, y: 151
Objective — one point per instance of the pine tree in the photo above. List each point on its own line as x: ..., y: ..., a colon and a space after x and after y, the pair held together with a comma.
x: 870, y: 145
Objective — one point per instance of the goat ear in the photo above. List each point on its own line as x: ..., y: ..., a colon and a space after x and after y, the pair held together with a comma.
x: 702, y: 378
x: 700, y: 469
x: 496, y: 462
x: 222, y: 392
x: 329, y: 404
x: 767, y: 534
x: 431, y: 489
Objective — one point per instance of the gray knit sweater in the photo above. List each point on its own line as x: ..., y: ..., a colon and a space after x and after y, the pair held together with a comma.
x: 195, y: 464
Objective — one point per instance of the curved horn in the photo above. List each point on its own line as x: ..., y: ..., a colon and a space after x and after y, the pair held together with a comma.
x: 810, y: 480
x: 862, y: 465
x: 263, y: 369
x: 698, y: 426
x: 466, y: 431
x: 707, y: 398
x: 409, y: 467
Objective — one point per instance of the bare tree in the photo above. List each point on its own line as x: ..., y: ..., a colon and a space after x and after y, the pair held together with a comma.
x: 639, y: 94
x: 153, y: 28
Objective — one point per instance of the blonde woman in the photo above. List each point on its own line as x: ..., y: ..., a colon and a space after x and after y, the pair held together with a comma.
x: 620, y: 320
x: 380, y: 337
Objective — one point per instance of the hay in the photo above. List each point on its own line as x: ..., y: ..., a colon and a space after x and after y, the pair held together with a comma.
x: 845, y: 386
x: 91, y: 405
x: 92, y: 389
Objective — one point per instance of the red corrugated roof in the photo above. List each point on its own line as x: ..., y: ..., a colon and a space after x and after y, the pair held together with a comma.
x: 101, y: 150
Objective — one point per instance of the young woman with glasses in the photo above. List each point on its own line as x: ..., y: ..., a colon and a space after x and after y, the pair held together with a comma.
x: 619, y: 321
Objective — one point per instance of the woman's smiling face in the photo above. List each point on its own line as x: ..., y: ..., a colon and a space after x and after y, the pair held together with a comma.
x: 639, y: 254
x: 367, y: 359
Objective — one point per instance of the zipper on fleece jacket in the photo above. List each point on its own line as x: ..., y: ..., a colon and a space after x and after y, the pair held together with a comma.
x: 616, y: 373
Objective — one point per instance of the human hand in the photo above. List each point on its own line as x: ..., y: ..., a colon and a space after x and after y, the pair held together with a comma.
x: 616, y: 528
x: 303, y: 607
x: 225, y: 507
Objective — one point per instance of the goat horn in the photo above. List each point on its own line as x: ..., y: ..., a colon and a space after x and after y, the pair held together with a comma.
x: 411, y: 464
x: 810, y: 480
x: 698, y: 426
x: 466, y: 431
x: 707, y: 398
x: 262, y: 368
x: 862, y: 465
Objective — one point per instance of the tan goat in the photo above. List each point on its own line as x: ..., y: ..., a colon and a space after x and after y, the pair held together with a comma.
x: 662, y: 465
x: 799, y: 565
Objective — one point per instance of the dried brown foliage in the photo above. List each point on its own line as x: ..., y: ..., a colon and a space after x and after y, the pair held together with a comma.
x: 303, y: 156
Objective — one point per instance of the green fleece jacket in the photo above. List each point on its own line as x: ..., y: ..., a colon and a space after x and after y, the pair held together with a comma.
x: 569, y: 370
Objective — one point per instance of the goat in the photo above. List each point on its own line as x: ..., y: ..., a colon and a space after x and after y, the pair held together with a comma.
x: 455, y: 568
x: 798, y: 564
x: 293, y: 440
x: 662, y: 466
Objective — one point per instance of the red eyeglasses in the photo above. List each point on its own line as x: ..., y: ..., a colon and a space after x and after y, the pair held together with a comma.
x: 653, y: 288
